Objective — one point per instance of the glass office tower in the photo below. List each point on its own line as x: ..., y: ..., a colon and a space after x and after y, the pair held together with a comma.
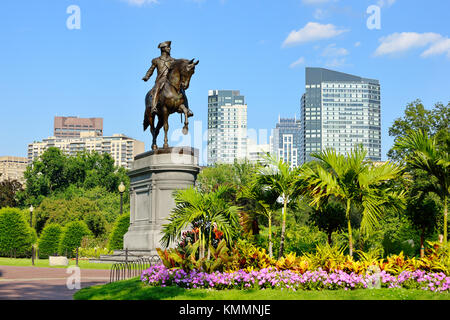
x: 340, y: 110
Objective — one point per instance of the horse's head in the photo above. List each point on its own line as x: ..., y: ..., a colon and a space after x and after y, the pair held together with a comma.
x: 187, y: 71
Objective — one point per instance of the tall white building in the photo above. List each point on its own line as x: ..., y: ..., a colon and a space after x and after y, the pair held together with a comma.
x: 256, y: 152
x: 227, y: 126
x: 12, y: 168
x: 121, y: 148
x: 286, y: 141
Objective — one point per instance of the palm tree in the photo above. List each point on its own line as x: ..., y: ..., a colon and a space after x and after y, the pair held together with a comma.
x: 206, y: 210
x: 424, y: 154
x: 354, y: 182
x: 281, y: 179
x: 264, y: 202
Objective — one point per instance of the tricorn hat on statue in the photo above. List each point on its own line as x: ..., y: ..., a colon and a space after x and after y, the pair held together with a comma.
x: 164, y: 44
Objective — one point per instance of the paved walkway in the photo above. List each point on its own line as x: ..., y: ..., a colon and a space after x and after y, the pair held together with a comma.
x: 37, y: 283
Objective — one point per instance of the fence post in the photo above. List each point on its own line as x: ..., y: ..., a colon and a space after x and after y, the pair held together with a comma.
x: 77, y: 257
x: 32, y: 255
x: 126, y: 255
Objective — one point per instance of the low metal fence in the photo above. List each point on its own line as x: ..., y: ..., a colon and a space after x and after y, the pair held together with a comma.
x: 130, y: 269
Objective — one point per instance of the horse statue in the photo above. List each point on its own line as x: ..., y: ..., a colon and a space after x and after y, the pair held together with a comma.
x: 171, y: 99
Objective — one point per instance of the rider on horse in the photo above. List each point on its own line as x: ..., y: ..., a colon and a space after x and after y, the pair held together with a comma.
x: 163, y: 65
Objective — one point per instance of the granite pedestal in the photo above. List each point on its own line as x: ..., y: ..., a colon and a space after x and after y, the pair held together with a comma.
x: 154, y: 176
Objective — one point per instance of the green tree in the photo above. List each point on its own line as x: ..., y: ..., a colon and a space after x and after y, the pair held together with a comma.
x: 120, y: 228
x: 434, y: 122
x: 425, y: 154
x: 206, y: 210
x: 15, y: 234
x: 236, y: 175
x: 62, y: 211
x: 263, y: 202
x: 96, y: 223
x: 329, y: 217
x: 54, y: 172
x: 8, y: 191
x: 354, y: 182
x: 50, y: 240
x: 281, y: 179
x: 71, y: 238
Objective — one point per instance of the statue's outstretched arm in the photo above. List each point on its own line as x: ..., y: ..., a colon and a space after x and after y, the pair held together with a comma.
x: 149, y: 72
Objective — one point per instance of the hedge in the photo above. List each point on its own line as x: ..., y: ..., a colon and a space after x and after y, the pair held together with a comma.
x: 50, y: 240
x: 120, y: 228
x: 71, y: 238
x: 16, y: 236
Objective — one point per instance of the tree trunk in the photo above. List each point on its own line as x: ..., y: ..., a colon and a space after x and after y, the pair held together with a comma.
x: 201, y: 254
x: 209, y: 243
x: 283, y: 229
x: 270, y: 236
x: 350, y: 241
x: 329, y: 238
x: 445, y: 219
x: 422, y: 237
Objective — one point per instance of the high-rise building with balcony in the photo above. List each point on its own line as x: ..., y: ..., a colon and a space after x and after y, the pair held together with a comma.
x: 340, y: 110
x: 12, y: 168
x: 227, y: 126
x: 122, y: 149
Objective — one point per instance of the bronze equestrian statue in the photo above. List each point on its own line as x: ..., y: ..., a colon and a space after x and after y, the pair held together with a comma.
x: 168, y: 94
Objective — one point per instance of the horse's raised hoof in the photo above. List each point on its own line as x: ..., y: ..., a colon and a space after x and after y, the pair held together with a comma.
x: 185, y: 130
x: 190, y: 114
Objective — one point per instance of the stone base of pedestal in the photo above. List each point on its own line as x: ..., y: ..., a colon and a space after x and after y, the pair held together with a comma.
x: 154, y: 176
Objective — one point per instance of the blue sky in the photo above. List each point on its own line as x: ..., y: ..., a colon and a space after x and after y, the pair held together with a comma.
x: 259, y: 47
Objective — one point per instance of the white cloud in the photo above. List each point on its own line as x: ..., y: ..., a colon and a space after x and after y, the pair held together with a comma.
x: 332, y: 51
x: 320, y: 14
x: 297, y: 62
x: 385, y: 3
x: 401, y: 42
x: 140, y: 2
x: 357, y: 44
x: 334, y: 63
x: 440, y: 47
x: 312, y: 31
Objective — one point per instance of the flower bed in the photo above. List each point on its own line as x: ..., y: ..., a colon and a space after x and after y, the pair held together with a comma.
x: 159, y: 275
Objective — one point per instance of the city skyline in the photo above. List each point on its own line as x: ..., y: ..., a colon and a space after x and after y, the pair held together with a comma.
x: 96, y: 71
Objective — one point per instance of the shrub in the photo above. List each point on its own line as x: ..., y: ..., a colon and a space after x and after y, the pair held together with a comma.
x: 120, y: 228
x: 71, y: 238
x: 95, y: 252
x: 96, y: 223
x: 15, y: 234
x: 50, y: 240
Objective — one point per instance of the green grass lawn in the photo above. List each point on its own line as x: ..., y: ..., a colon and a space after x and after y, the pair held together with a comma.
x: 134, y: 289
x: 83, y: 264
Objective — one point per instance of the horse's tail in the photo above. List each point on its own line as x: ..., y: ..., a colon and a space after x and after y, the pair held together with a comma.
x: 148, y: 103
